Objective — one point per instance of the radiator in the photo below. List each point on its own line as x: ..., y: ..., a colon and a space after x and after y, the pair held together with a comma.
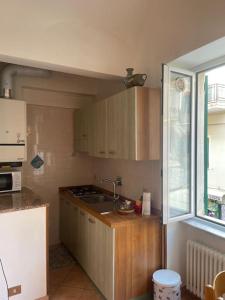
x: 203, y: 264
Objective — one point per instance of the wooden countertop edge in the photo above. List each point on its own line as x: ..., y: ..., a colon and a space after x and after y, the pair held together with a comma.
x: 113, y: 219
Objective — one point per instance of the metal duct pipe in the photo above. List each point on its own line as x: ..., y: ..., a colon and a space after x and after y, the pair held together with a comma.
x: 14, y: 70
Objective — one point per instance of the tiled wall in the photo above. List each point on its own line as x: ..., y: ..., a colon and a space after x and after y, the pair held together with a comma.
x: 136, y: 175
x: 50, y: 132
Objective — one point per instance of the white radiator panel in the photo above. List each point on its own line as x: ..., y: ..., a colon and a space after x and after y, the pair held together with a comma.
x: 203, y: 264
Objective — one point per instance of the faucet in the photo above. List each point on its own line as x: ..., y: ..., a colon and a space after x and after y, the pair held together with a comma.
x: 115, y: 183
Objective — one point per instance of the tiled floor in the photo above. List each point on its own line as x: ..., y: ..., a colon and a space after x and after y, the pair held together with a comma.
x: 71, y: 283
x: 188, y: 296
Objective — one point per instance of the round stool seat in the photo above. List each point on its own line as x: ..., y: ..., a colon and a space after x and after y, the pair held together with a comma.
x: 167, y: 278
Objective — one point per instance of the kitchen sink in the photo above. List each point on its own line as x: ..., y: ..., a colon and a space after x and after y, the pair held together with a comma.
x: 99, y: 198
x: 99, y: 202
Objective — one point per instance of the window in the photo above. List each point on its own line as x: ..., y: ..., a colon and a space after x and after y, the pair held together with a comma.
x: 193, y: 144
x: 211, y: 145
x: 178, y: 144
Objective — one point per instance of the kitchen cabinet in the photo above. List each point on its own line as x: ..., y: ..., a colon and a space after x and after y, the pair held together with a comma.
x: 74, y: 229
x: 92, y: 263
x: 83, y: 239
x: 81, y: 126
x: 12, y: 130
x: 105, y: 245
x: 98, y: 147
x: 91, y: 242
x: 133, y: 124
x: 118, y: 126
x: 121, y: 255
x: 65, y: 222
x: 126, y: 125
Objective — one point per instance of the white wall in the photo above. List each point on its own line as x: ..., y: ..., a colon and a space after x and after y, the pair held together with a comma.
x: 107, y: 37
x: 177, y: 235
x: 64, y: 90
x: 23, y: 252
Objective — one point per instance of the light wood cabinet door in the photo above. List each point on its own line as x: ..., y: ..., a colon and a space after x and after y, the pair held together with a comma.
x: 77, y: 130
x: 99, y: 148
x: 74, y: 229
x: 92, y: 267
x: 82, y: 254
x: 65, y: 206
x: 133, y: 124
x: 121, y: 125
x: 104, y: 278
x: 81, y: 129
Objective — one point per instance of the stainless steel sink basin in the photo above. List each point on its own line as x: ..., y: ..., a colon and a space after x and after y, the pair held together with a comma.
x: 99, y: 202
x: 97, y: 198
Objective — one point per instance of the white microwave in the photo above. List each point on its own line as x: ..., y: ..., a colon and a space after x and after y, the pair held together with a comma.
x: 10, y: 181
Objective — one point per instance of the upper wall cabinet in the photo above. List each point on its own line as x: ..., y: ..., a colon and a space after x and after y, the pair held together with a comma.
x: 82, y: 134
x: 126, y: 125
x: 12, y: 130
x: 98, y: 130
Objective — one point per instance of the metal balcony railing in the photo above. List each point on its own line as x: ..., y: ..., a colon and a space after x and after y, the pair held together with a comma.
x: 216, y: 94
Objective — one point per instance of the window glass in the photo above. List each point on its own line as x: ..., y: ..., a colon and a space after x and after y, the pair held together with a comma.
x: 179, y: 145
x: 211, y: 145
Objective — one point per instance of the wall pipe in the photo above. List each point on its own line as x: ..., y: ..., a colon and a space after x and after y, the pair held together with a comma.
x: 10, y: 71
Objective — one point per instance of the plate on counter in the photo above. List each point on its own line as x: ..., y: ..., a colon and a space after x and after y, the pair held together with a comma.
x: 125, y: 211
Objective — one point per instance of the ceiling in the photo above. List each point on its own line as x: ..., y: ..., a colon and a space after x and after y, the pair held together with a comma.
x: 98, y: 37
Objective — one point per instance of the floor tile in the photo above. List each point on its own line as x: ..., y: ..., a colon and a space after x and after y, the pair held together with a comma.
x: 92, y: 295
x: 56, y: 276
x: 72, y: 283
x: 67, y: 293
x: 78, y: 279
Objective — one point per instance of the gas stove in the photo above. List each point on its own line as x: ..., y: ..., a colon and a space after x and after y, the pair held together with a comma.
x: 84, y: 190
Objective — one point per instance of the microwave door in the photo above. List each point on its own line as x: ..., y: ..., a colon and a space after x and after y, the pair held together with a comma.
x: 6, y: 182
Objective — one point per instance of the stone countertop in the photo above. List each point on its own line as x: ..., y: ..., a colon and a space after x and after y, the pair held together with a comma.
x: 112, y: 219
x: 15, y: 201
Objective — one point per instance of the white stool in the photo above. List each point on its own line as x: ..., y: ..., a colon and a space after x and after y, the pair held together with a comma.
x: 166, y: 285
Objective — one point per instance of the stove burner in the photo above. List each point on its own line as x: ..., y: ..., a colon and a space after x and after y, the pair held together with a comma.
x: 83, y: 191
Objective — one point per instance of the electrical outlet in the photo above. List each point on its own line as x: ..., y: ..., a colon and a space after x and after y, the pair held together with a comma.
x: 15, y: 290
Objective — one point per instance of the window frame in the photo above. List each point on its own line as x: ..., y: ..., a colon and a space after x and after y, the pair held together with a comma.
x: 203, y: 69
x: 167, y: 69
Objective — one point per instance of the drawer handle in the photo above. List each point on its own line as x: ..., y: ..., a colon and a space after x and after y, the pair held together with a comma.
x: 112, y: 152
x: 101, y: 152
x: 91, y: 221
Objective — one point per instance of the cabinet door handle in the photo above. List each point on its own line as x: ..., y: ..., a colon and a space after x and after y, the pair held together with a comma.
x: 101, y: 152
x: 112, y: 152
x: 91, y: 221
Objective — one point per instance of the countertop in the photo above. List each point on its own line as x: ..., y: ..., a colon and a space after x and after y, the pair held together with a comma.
x: 112, y: 219
x: 15, y: 201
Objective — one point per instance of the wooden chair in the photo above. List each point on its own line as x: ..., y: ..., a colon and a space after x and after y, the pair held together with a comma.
x: 216, y: 291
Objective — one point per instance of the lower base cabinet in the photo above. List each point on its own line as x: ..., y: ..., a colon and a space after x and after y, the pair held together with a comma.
x: 121, y: 260
x: 91, y: 242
